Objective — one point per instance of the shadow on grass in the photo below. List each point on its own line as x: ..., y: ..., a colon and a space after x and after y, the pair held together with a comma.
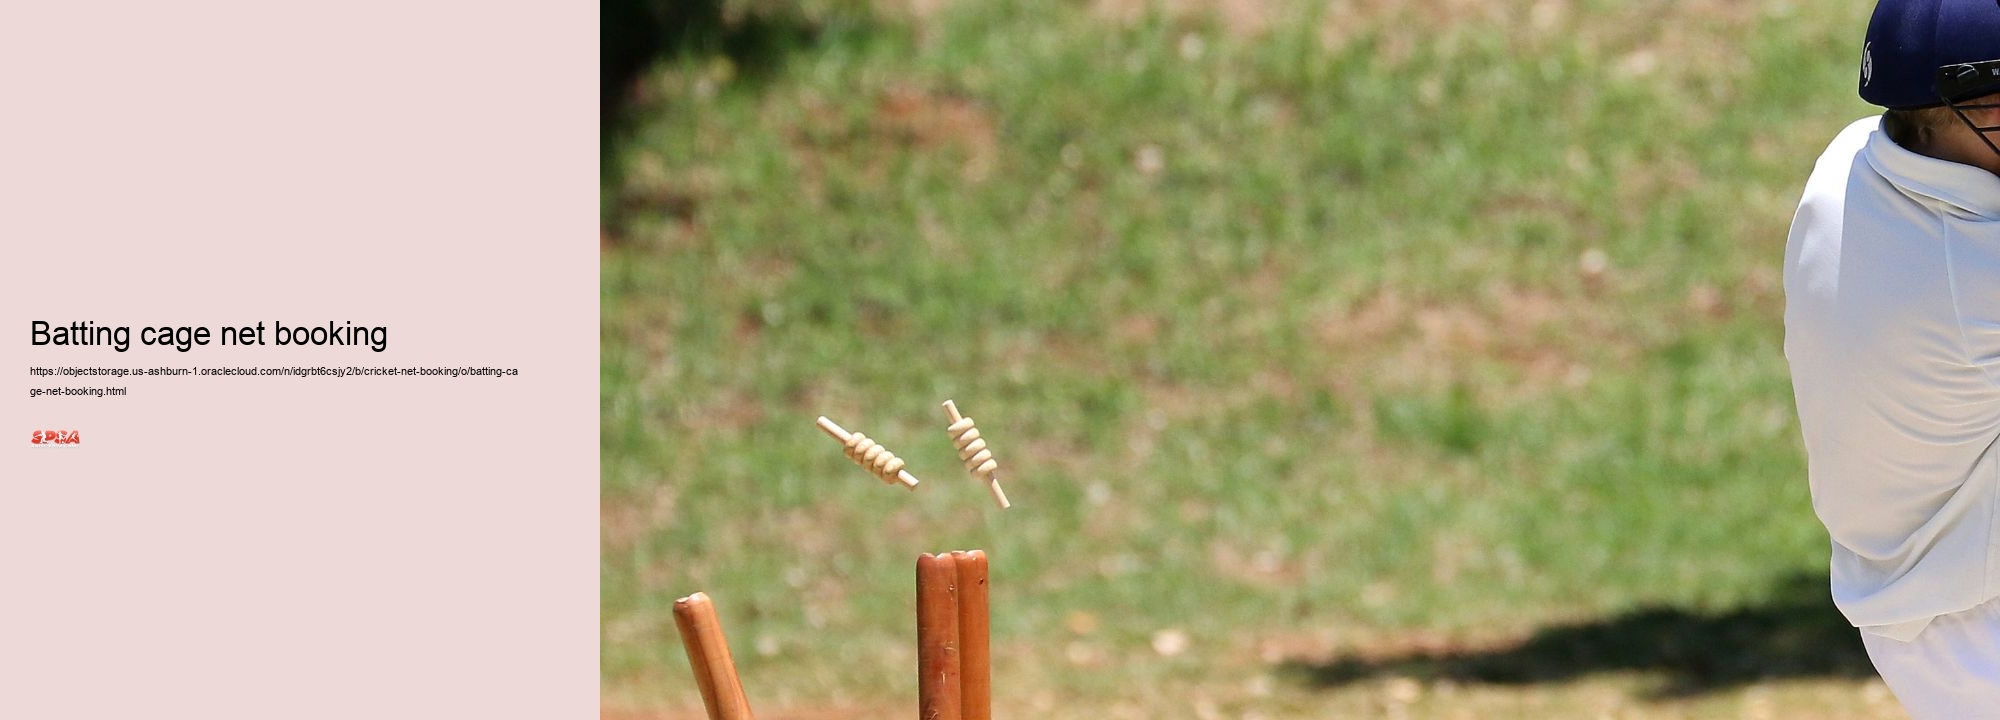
x: 1796, y: 635
x: 634, y: 35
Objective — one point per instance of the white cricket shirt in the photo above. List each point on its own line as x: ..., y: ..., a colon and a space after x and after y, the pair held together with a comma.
x: 1892, y: 329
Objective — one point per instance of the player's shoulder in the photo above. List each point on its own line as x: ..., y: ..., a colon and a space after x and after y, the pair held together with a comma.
x: 1859, y: 130
x: 1830, y: 172
x: 1852, y: 139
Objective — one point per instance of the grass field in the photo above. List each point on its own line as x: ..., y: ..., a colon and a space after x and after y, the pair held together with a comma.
x: 1359, y: 359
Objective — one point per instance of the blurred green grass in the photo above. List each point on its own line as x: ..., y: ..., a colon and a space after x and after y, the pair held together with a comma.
x: 1293, y: 326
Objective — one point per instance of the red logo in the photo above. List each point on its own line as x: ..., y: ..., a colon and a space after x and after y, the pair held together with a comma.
x: 56, y: 437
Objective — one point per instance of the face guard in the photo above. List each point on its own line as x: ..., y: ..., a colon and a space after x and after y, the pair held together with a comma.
x: 1957, y: 84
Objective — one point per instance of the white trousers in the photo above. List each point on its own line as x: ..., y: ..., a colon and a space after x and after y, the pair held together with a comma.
x: 1950, y: 671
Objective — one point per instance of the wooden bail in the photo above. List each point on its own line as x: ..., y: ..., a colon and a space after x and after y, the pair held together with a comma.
x: 708, y: 651
x: 938, y: 656
x: 870, y: 455
x: 973, y: 452
x: 974, y: 637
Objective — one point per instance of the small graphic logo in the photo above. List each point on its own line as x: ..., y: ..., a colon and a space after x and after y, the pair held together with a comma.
x: 56, y: 437
x: 1867, y: 63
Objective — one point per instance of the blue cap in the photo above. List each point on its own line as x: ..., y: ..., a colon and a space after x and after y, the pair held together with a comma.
x: 1910, y: 40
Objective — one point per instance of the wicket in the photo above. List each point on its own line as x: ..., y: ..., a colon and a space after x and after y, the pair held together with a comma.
x: 708, y: 653
x: 974, y: 637
x: 954, y: 665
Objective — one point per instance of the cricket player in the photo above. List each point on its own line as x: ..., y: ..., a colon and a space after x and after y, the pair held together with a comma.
x: 1892, y: 329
